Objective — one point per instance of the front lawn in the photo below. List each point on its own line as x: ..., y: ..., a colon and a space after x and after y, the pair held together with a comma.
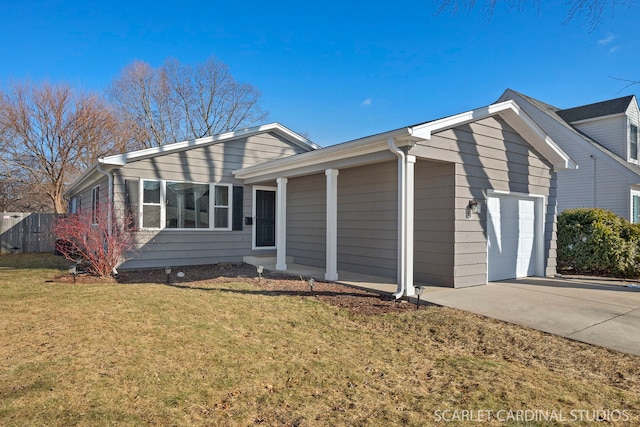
x: 223, y: 352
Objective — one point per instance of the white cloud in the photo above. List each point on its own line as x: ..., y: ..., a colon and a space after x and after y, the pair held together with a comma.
x: 367, y: 102
x: 607, y: 39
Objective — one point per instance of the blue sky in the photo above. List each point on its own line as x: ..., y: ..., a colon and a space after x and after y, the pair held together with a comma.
x: 334, y: 71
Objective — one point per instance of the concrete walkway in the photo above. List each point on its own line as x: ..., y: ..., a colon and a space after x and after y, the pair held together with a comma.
x: 600, y: 312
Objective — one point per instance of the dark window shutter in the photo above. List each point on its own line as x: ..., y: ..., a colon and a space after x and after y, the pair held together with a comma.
x: 131, y: 192
x: 237, y: 208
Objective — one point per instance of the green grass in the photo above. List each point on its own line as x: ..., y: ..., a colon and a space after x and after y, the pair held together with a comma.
x: 231, y: 354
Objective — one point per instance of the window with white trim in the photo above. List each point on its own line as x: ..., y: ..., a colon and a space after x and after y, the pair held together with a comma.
x: 151, y: 204
x: 633, y: 142
x: 635, y: 207
x: 95, y: 204
x: 185, y: 205
x: 221, y: 206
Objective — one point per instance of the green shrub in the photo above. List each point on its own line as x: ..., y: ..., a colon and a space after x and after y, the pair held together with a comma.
x: 596, y: 241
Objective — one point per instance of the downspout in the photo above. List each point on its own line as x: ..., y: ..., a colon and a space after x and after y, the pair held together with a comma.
x: 402, y: 207
x: 593, y: 181
x: 109, y: 195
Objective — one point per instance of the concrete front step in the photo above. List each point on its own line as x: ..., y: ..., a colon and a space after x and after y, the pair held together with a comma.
x: 266, y: 261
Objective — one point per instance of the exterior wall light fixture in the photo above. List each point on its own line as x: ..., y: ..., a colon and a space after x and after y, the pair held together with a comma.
x: 473, y: 207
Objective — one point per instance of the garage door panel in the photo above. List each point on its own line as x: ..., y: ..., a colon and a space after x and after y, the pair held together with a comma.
x: 512, y: 237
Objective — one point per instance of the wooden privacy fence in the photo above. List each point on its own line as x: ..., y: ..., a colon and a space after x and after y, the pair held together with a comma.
x: 27, y: 232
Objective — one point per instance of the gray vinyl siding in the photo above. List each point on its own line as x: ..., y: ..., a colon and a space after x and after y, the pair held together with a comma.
x: 213, y: 163
x: 489, y: 155
x: 161, y: 248
x: 368, y: 219
x: 611, y: 132
x: 434, y: 223
x: 84, y: 196
x: 306, y: 220
x: 206, y: 164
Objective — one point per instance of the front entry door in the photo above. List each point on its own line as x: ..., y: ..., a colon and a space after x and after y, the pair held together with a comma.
x: 265, y: 228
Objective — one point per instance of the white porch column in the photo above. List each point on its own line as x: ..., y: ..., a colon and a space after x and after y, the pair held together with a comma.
x: 281, y: 224
x: 409, y: 223
x: 332, y: 225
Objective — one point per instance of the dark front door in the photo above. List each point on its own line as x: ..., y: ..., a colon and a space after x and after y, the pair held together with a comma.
x: 265, y: 218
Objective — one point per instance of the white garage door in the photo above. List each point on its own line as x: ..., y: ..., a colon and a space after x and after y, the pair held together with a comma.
x: 512, y: 237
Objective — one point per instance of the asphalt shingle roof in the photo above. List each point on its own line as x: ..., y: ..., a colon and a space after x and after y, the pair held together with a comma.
x: 598, y: 109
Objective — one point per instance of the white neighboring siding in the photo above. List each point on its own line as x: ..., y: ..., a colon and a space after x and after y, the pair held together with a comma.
x: 633, y: 113
x: 611, y: 132
x: 576, y: 187
x: 612, y: 192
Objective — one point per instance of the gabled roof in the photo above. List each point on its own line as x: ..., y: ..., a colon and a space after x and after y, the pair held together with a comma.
x: 598, y: 109
x: 119, y: 160
x: 376, y: 146
x: 552, y: 113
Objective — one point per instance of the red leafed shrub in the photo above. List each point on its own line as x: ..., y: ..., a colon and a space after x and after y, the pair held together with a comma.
x: 96, y: 238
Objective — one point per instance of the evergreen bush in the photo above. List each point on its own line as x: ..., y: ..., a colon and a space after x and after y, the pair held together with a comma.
x: 597, y: 241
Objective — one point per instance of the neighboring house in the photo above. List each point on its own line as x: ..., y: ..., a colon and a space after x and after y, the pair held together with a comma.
x: 452, y: 202
x: 602, y: 138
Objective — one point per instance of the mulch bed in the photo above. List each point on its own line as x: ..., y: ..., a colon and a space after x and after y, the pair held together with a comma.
x: 354, y: 299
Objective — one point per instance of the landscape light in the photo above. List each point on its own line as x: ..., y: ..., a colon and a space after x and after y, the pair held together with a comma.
x: 167, y: 271
x: 260, y: 270
x: 419, y: 290
x: 311, y: 283
x: 73, y: 270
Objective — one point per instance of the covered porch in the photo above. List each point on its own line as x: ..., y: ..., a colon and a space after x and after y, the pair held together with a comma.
x: 391, y: 210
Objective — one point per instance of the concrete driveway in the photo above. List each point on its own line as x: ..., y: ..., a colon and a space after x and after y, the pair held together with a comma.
x: 600, y: 312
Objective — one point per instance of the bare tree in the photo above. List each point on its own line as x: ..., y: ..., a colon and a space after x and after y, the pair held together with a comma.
x: 18, y: 195
x: 176, y: 102
x: 591, y: 11
x: 49, y: 133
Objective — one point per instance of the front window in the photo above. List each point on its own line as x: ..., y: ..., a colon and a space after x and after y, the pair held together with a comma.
x: 185, y: 205
x: 635, y: 208
x: 633, y: 142
x: 151, y: 206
